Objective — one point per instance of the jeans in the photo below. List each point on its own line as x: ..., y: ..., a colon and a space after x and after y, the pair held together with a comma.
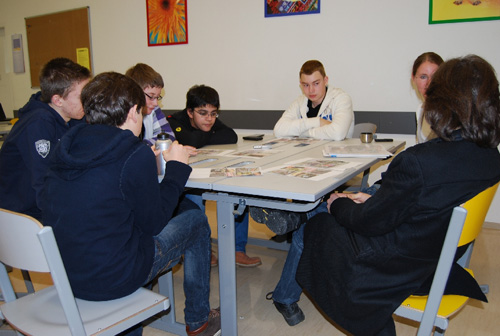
x: 288, y: 290
x: 240, y: 221
x: 188, y: 234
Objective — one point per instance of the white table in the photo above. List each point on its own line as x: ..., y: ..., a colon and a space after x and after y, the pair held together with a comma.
x: 5, y: 127
x: 270, y: 191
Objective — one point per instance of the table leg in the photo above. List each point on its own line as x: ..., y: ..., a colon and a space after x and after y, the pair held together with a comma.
x: 227, y: 268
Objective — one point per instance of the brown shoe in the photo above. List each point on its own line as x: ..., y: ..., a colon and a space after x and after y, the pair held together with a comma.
x: 243, y: 260
x: 213, y: 260
x: 210, y: 328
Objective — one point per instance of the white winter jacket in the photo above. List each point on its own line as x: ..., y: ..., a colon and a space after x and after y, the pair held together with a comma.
x: 336, y: 107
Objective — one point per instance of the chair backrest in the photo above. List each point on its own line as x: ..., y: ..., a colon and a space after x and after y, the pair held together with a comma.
x: 26, y: 244
x: 465, y: 224
x: 363, y: 128
x: 19, y: 244
x: 477, y: 208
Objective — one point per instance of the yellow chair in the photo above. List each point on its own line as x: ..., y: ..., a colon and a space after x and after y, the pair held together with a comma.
x: 435, y: 309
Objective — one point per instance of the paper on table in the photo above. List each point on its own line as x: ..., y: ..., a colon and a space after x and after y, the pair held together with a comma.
x: 198, y: 173
x: 313, y: 169
x: 363, y: 150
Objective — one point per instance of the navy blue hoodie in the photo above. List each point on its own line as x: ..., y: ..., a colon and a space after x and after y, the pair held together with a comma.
x: 25, y: 154
x: 104, y: 202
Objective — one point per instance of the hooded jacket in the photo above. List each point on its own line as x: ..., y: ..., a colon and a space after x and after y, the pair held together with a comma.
x: 25, y: 154
x: 104, y: 202
x: 336, y: 108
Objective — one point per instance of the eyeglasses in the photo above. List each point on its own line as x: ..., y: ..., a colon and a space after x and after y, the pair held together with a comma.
x: 153, y: 98
x: 205, y: 114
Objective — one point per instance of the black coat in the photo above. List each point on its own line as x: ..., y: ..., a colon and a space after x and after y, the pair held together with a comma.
x: 360, y: 263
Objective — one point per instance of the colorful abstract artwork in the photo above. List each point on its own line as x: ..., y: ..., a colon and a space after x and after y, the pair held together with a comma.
x: 167, y: 22
x: 448, y: 11
x: 291, y: 7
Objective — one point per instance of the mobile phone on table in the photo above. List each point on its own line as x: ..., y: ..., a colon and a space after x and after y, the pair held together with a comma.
x: 254, y: 137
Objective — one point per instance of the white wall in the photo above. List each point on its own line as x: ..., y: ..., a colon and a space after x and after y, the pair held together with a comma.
x: 367, y: 47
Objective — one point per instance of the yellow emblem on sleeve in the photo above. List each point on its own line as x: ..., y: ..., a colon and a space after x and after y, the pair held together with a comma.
x: 178, y: 129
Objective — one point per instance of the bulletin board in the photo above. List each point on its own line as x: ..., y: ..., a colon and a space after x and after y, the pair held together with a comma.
x: 61, y: 34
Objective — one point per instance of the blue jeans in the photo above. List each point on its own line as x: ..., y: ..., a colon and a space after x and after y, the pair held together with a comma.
x: 240, y: 221
x: 188, y: 234
x: 287, y: 290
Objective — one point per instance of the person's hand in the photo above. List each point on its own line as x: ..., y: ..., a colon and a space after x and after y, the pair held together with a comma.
x: 156, y: 151
x: 359, y: 197
x: 176, y: 152
x: 324, y: 122
x: 192, y: 150
x: 333, y: 197
x: 356, y: 198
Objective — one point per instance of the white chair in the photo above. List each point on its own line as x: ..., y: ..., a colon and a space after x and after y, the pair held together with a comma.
x: 26, y: 244
x: 435, y: 309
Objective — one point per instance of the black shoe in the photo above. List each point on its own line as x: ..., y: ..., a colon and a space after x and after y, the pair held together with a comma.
x: 291, y: 312
x: 278, y: 221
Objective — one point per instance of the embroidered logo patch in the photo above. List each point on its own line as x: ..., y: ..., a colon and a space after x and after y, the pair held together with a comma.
x: 43, y: 147
x: 178, y: 129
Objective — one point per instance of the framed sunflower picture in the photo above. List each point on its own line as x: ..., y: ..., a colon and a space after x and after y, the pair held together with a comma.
x: 291, y: 7
x: 167, y: 22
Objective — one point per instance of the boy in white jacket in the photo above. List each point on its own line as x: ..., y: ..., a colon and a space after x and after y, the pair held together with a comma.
x: 321, y: 112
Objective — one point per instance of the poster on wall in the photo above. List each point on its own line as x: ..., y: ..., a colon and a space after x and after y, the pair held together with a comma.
x: 291, y: 7
x: 167, y: 22
x: 446, y: 11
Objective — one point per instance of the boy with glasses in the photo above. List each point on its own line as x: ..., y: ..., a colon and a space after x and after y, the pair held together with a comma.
x: 197, y: 125
x: 154, y: 121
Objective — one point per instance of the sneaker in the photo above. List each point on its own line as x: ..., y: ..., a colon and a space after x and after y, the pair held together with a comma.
x: 278, y: 221
x: 243, y: 260
x: 213, y: 260
x: 210, y: 328
x: 291, y: 312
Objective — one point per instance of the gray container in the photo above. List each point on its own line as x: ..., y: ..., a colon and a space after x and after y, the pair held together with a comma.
x: 162, y: 143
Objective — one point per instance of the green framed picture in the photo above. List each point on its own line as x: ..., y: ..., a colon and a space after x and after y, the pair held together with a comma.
x: 447, y: 11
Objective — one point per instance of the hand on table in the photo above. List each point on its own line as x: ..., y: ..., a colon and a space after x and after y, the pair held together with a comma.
x: 192, y: 150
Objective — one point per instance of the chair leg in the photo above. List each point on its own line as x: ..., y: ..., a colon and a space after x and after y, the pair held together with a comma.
x: 27, y: 281
x: 168, y: 322
x: 438, y: 332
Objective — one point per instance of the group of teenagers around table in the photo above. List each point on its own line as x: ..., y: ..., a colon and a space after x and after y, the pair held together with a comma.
x: 81, y: 159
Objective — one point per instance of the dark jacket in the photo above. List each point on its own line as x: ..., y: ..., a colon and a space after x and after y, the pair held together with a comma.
x: 25, y: 154
x: 104, y: 202
x: 360, y: 263
x: 190, y: 136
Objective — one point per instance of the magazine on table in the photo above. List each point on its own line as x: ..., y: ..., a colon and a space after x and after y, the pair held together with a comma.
x: 361, y: 150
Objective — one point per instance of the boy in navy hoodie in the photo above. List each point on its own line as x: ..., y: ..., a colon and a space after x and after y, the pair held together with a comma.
x: 42, y: 122
x: 118, y: 228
